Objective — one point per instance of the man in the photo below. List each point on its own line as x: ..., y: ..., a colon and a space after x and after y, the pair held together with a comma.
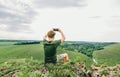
x: 50, y: 46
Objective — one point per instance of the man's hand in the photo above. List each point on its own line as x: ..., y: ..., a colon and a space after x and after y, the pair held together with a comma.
x: 59, y: 30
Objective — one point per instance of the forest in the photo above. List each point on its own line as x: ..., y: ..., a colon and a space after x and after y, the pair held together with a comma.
x: 86, y: 48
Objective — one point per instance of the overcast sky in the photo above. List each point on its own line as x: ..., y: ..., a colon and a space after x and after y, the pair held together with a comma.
x: 80, y: 20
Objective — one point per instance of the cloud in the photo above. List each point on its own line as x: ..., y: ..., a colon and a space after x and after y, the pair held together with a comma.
x: 60, y: 3
x: 114, y: 23
x: 16, y: 15
x: 117, y: 3
x: 96, y: 17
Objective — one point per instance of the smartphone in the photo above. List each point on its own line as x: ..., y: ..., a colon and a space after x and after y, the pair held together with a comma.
x: 55, y: 29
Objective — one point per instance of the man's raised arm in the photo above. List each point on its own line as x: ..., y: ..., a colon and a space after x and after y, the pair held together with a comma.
x: 45, y: 36
x: 62, y: 35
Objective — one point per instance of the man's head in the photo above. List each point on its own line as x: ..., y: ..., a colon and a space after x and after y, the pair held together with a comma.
x: 51, y: 34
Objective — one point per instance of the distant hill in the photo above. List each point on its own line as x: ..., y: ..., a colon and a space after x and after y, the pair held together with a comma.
x: 110, y: 55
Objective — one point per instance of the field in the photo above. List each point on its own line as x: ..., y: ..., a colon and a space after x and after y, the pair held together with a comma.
x: 22, y: 51
x: 108, y: 56
x: 35, y: 51
x: 28, y: 60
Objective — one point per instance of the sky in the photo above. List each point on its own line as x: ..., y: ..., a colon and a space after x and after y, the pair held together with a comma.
x: 80, y: 20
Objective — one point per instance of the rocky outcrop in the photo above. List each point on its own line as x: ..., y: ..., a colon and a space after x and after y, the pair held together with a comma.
x: 105, y: 71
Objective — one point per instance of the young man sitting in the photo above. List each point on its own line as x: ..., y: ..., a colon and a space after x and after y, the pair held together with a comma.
x: 50, y: 47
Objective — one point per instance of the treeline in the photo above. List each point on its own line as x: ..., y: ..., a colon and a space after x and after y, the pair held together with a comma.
x: 86, y: 48
x: 2, y: 40
x: 22, y: 42
x: 27, y: 42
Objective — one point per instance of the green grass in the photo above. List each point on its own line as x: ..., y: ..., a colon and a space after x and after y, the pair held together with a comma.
x: 35, y: 51
x: 27, y: 60
x: 6, y: 43
x: 109, y: 56
x: 22, y: 51
x: 34, y: 68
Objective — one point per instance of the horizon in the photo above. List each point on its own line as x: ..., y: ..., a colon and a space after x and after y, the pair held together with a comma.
x: 65, y: 40
x: 80, y: 20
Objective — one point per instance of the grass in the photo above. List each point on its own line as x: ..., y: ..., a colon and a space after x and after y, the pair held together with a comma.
x: 109, y: 56
x: 21, y: 51
x: 35, y: 51
x: 33, y: 68
x: 27, y: 60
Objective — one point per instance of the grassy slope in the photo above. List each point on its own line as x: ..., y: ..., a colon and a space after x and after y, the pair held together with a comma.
x: 36, y: 51
x: 21, y: 51
x: 109, y: 56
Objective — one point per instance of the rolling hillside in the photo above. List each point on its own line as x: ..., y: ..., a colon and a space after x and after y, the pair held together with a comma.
x: 27, y: 61
x: 35, y: 51
x: 109, y: 56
